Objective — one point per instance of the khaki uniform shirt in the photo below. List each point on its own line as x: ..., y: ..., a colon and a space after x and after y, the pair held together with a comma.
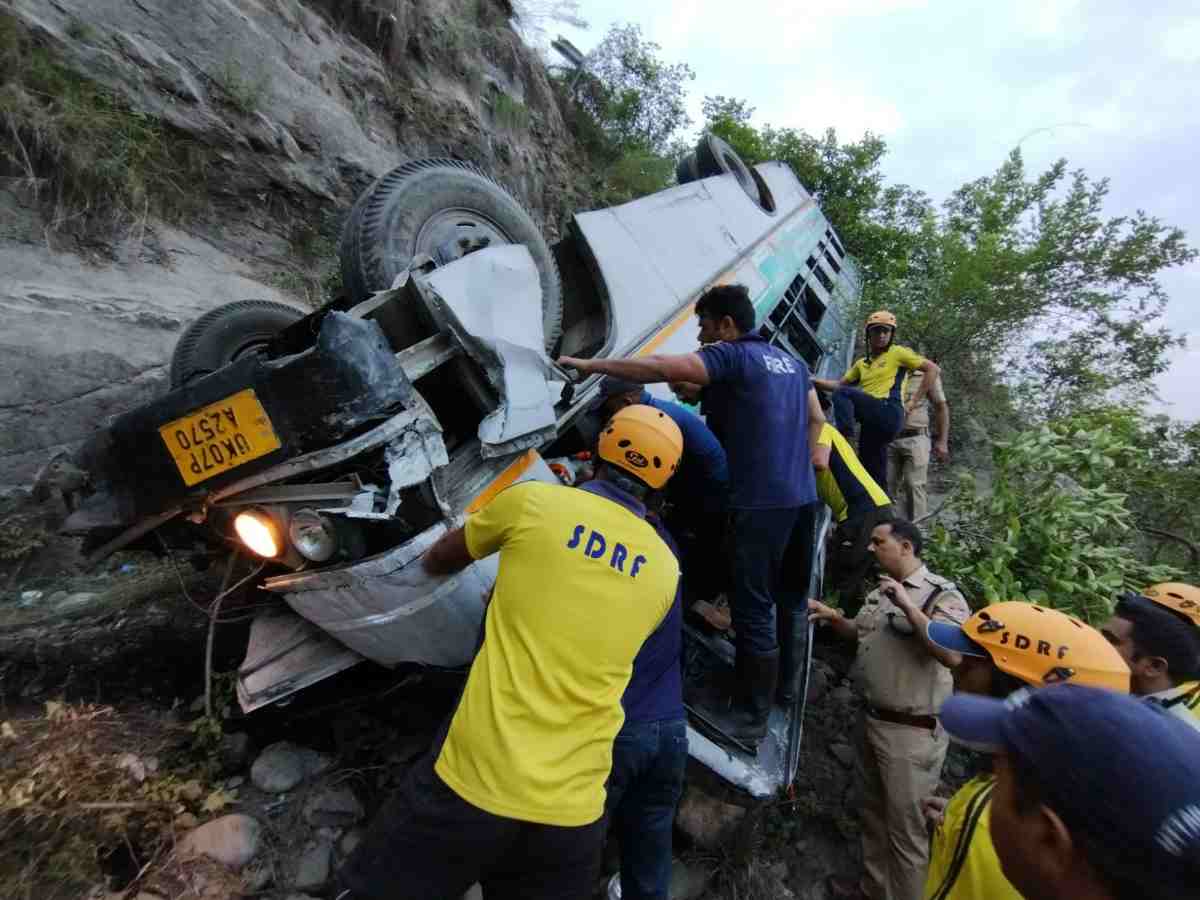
x: 919, y: 417
x: 894, y: 669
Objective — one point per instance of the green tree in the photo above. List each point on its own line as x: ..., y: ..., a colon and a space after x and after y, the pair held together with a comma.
x: 1056, y: 528
x: 729, y: 119
x: 1156, y: 460
x: 627, y: 109
x: 1016, y: 279
x: 1026, y: 280
x: 638, y: 100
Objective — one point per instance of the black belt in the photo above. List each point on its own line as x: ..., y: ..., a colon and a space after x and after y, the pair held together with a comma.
x: 912, y: 432
x: 903, y: 718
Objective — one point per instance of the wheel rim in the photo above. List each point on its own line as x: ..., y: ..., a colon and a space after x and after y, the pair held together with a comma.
x: 254, y: 345
x: 739, y: 171
x: 451, y: 234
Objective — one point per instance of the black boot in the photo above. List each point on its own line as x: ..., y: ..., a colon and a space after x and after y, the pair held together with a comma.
x: 762, y: 672
x: 746, y: 721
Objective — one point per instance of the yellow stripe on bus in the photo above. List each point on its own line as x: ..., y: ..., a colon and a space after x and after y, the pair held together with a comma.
x: 505, y: 479
x: 673, y: 326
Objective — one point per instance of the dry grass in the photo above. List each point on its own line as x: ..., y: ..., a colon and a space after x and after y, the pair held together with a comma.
x: 87, y: 792
x: 20, y: 535
x: 316, y: 276
x: 81, y: 149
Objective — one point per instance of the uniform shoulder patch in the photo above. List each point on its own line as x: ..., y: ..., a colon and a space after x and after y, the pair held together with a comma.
x: 944, y: 583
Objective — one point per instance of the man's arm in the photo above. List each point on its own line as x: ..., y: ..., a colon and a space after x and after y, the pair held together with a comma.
x: 449, y: 554
x: 941, y: 447
x: 820, y: 614
x: 644, y: 369
x: 820, y: 456
x: 920, y: 622
x: 932, y: 372
x: 816, y: 421
x: 828, y: 384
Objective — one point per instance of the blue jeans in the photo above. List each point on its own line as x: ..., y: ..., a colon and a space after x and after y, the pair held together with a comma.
x: 758, y: 541
x: 699, y: 529
x: 881, y: 421
x: 643, y: 790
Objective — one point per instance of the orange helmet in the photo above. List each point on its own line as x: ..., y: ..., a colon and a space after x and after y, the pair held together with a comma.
x: 1179, y: 598
x: 643, y: 441
x: 1038, y: 645
x: 881, y: 317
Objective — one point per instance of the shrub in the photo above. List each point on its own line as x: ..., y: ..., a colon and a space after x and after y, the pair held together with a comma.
x: 1055, y: 529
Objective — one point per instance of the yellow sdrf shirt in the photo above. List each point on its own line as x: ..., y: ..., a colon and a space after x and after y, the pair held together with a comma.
x: 963, y: 864
x: 583, y: 581
x: 883, y: 376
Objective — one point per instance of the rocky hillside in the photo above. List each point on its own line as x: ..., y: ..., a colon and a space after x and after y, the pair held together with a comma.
x: 164, y: 158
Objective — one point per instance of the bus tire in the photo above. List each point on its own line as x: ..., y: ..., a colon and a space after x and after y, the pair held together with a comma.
x: 225, y: 334
x: 715, y: 157
x: 685, y: 170
x: 425, y: 205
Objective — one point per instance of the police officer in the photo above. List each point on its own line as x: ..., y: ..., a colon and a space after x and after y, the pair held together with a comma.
x: 1097, y: 794
x: 905, y: 678
x: 513, y: 796
x: 1158, y: 634
x: 908, y: 454
x: 1006, y: 647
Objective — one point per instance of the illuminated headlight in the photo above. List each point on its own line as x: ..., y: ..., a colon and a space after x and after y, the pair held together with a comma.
x: 258, y: 532
x: 313, y: 535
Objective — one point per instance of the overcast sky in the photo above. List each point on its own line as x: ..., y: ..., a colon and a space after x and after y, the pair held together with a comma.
x: 953, y: 85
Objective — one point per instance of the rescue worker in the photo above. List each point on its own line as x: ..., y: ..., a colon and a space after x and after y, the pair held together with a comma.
x: 876, y: 403
x: 857, y: 504
x: 1006, y: 647
x: 1158, y: 634
x: 760, y: 403
x: 650, y: 755
x: 513, y: 795
x: 905, y: 678
x: 908, y: 454
x: 697, y: 497
x: 1097, y: 795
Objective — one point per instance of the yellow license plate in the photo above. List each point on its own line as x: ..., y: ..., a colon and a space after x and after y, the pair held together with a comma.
x: 219, y: 437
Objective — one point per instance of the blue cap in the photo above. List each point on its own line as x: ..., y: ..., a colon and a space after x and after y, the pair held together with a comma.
x: 953, y: 637
x: 1115, y: 768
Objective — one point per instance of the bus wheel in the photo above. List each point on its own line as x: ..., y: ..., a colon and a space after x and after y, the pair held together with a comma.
x: 715, y: 157
x: 444, y: 208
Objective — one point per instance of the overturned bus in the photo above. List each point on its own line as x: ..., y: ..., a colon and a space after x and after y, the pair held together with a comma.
x: 334, y: 448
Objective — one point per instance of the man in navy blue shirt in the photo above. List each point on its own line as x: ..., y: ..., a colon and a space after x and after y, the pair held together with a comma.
x: 650, y: 751
x: 697, y: 496
x: 760, y: 403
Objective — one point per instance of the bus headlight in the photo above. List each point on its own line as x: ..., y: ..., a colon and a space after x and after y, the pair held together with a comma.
x: 259, y: 533
x: 313, y: 535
